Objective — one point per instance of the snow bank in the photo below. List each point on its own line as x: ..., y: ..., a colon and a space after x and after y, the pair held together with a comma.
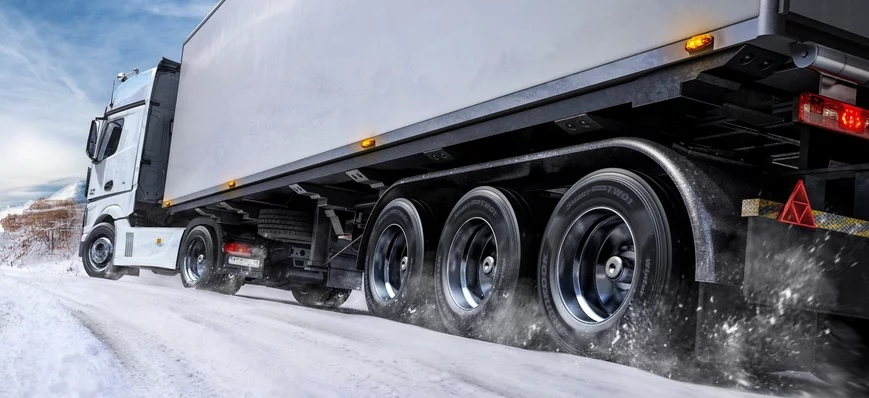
x: 61, y: 265
x: 45, y: 351
x: 16, y: 210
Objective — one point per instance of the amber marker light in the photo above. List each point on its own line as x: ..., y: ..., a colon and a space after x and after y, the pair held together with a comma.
x: 368, y: 143
x: 699, y: 42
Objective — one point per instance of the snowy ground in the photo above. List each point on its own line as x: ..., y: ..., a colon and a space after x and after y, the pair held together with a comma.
x: 63, y: 334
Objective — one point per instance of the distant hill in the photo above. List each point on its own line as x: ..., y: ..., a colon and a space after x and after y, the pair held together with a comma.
x: 74, y: 191
x: 45, y: 229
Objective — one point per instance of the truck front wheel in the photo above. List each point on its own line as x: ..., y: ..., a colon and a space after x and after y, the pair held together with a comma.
x: 610, y: 281
x: 99, y: 254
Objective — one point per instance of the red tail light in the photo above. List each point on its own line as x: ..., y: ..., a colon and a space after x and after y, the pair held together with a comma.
x: 238, y: 249
x: 833, y: 115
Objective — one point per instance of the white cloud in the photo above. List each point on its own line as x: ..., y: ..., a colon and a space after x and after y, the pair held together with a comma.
x: 44, y: 112
x: 56, y: 72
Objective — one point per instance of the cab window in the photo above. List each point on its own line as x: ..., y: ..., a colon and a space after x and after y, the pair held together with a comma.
x: 111, y: 138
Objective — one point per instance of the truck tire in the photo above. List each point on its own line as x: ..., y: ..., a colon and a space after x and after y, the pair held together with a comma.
x: 398, y: 280
x: 320, y: 296
x: 99, y: 254
x: 228, y: 284
x: 285, y: 225
x: 611, y: 282
x: 197, y: 263
x: 484, y: 272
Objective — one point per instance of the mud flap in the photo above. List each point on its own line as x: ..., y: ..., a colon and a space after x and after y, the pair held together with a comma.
x: 806, y: 269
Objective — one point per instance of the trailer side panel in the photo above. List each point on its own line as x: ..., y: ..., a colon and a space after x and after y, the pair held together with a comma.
x: 268, y: 82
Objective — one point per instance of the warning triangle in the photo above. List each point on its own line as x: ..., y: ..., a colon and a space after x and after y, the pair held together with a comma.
x: 797, y: 210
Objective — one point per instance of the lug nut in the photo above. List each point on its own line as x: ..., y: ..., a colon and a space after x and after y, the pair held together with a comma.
x: 614, y: 267
x: 619, y: 270
x: 488, y: 265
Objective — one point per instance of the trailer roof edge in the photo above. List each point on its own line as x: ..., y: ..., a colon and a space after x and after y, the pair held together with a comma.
x: 204, y: 20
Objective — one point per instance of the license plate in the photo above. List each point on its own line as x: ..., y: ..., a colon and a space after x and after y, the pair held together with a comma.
x: 244, y: 262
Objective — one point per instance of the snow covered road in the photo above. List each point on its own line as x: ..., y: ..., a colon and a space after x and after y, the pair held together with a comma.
x: 64, y: 335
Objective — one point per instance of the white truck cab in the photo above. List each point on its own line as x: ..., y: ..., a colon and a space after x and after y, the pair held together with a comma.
x: 129, y: 148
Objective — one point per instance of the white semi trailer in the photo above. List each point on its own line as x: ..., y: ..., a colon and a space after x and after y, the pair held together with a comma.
x: 613, y: 177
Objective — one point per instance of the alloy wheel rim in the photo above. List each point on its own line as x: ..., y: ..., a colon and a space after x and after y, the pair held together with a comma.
x: 100, y: 253
x: 390, y: 263
x: 596, y: 267
x: 195, y: 259
x: 471, y: 264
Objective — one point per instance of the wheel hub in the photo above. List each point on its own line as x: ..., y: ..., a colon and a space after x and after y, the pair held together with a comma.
x: 596, y: 266
x: 195, y: 259
x: 614, y: 267
x: 471, y: 264
x: 390, y: 263
x: 488, y: 265
x: 100, y: 252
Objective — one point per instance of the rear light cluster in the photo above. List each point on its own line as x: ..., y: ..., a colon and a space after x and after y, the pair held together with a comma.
x: 833, y: 115
x: 238, y: 249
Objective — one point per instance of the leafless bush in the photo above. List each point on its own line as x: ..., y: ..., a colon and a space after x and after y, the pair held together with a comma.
x: 47, y: 227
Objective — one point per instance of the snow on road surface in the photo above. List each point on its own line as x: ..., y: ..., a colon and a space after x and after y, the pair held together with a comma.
x: 63, y: 335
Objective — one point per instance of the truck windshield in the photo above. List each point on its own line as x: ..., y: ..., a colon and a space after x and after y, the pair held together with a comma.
x: 135, y: 89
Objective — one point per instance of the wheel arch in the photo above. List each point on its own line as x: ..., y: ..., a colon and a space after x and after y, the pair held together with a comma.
x: 709, y: 193
x: 109, y: 214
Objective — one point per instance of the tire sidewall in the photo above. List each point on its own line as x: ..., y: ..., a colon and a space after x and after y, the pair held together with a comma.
x: 492, y: 206
x: 100, y: 230
x: 635, y: 201
x: 404, y: 214
x: 209, y: 272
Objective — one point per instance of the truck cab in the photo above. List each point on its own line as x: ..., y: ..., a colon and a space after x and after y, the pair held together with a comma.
x: 129, y: 150
x: 128, y: 226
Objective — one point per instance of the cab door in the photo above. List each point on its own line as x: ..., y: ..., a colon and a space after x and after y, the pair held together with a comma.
x: 116, y: 155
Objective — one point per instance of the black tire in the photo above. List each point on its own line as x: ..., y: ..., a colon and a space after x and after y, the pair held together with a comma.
x: 100, y: 242
x: 228, y: 284
x: 484, y: 269
x: 198, y: 260
x: 646, y: 319
x: 320, y: 296
x: 408, y: 296
x: 285, y: 225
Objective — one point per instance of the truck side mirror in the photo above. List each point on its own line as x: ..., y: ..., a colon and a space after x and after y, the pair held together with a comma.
x: 91, y: 148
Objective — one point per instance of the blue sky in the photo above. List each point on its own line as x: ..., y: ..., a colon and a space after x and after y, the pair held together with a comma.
x: 58, y: 59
